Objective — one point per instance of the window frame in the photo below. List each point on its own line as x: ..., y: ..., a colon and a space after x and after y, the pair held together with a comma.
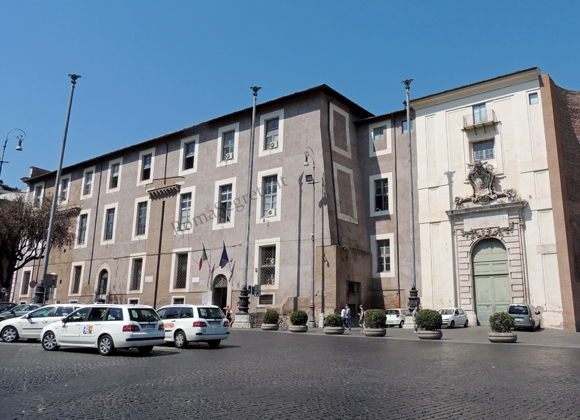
x: 262, y: 150
x: 533, y: 98
x: 86, y: 213
x: 182, y: 192
x: 67, y: 191
x: 387, y: 124
x: 37, y: 201
x: 25, y: 271
x: 115, y: 208
x: 374, y: 253
x: 260, y: 195
x: 235, y: 127
x: 87, y: 171
x: 262, y: 243
x: 182, y: 155
x: 479, y: 110
x: 135, y: 229
x: 142, y: 155
x: 112, y: 164
x: 132, y: 257
x: 217, y: 188
x: 372, y: 194
x: 481, y: 142
x: 80, y: 264
x: 404, y: 123
x: 174, y: 260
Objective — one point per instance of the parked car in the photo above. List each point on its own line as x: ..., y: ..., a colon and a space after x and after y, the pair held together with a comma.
x: 525, y: 315
x: 450, y: 317
x: 19, y: 310
x: 193, y: 323
x: 107, y: 327
x: 30, y: 325
x: 5, y: 306
x: 396, y: 316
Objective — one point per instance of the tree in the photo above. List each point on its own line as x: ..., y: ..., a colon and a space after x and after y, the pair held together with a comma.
x: 23, y: 232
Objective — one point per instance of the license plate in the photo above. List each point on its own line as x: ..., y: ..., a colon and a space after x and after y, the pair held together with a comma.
x: 519, y: 319
x: 214, y: 323
x: 147, y: 326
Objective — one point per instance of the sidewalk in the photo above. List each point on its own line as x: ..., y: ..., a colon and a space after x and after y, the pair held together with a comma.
x: 475, y: 335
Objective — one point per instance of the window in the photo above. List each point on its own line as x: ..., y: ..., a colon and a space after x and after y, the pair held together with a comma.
x: 382, y: 194
x: 103, y: 280
x: 186, y: 312
x: 266, y: 300
x: 177, y: 301
x: 146, y: 167
x: 64, y: 183
x: 380, y: 138
x: 225, y: 204
x: 88, y: 186
x: 268, y: 265
x: 81, y: 236
x: 114, y: 314
x: 64, y: 311
x: 383, y: 256
x: 189, y: 155
x: 483, y: 150
x: 228, y: 142
x: 77, y: 272
x: 269, y: 195
x: 114, y: 180
x: 379, y: 133
x: 25, y: 283
x: 136, y: 274
x: 141, y: 218
x: 109, y: 224
x: 181, y: 272
x: 479, y: 114
x: 38, y: 196
x: 133, y: 301
x: 271, y: 134
x: 185, y: 212
x: 405, y: 126
x: 533, y: 98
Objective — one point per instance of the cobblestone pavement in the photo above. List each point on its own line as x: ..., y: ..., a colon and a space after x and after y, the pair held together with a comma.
x: 279, y: 375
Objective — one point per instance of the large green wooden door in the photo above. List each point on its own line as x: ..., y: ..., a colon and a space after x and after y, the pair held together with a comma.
x: 491, y: 279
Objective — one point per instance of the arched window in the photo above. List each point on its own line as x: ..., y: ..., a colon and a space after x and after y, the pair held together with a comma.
x: 103, y: 280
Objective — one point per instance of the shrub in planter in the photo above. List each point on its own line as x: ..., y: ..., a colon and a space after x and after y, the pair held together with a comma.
x: 299, y: 318
x: 429, y: 320
x: 333, y: 320
x: 375, y: 318
x: 501, y: 322
x: 271, y: 317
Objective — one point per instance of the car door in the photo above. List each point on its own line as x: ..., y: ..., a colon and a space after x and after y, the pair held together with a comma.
x: 32, y: 324
x: 70, y: 330
x: 170, y: 321
x: 92, y: 328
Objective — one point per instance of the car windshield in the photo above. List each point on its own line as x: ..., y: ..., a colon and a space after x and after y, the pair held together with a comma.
x: 518, y: 310
x: 447, y: 311
x: 143, y: 315
x: 210, y: 313
x: 21, y: 308
x: 392, y: 312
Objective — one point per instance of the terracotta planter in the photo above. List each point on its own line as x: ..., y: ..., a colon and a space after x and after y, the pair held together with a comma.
x: 430, y: 335
x: 298, y: 328
x: 505, y: 337
x: 333, y: 330
x: 375, y: 332
x: 270, y: 327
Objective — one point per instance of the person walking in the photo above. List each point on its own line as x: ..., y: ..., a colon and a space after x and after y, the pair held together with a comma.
x: 347, y: 317
x: 343, y: 316
x: 415, y: 311
x: 361, y: 316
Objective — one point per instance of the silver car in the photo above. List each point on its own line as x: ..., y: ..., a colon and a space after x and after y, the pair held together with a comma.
x: 450, y: 317
x: 396, y: 316
x: 525, y: 315
x: 19, y: 310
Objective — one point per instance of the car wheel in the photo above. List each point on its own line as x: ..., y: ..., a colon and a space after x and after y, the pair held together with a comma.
x: 145, y: 349
x: 180, y: 340
x: 9, y: 334
x: 452, y: 324
x: 466, y: 323
x: 49, y: 342
x: 213, y: 344
x: 401, y: 324
x: 106, y: 346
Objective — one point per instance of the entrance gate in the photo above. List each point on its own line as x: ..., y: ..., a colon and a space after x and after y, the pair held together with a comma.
x: 220, y: 291
x: 490, y: 279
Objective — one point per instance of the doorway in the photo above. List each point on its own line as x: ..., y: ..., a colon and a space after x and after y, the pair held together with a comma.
x: 220, y: 291
x: 490, y: 279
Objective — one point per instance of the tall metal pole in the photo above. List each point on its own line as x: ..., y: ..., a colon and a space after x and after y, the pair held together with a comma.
x: 311, y: 318
x: 413, y: 294
x: 243, y: 317
x: 73, y: 78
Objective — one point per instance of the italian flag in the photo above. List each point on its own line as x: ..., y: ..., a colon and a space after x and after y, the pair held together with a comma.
x: 203, y: 257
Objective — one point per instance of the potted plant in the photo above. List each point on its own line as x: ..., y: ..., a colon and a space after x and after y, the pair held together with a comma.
x: 270, y: 320
x: 429, y: 324
x: 333, y: 324
x: 501, y: 324
x: 298, y: 320
x: 375, y: 323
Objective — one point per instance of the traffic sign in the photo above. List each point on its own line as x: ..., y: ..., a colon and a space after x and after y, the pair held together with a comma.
x: 3, y: 290
x: 33, y: 284
x: 49, y: 280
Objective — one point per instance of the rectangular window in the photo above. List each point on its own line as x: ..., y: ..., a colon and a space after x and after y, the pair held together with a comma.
x: 479, y: 114
x: 136, y: 274
x: 378, y: 133
x: 81, y: 237
x: 405, y: 126
x: 383, y: 256
x: 228, y: 145
x: 109, y: 224
x: 382, y: 194
x: 185, y: 212
x: 64, y: 189
x: 225, y: 207
x: 483, y: 150
x: 178, y: 301
x: 268, y: 265
x: 77, y: 279
x: 88, y: 183
x: 271, y: 134
x: 38, y: 196
x: 134, y: 301
x: 181, y: 272
x: 533, y: 98
x: 270, y: 193
x: 266, y: 299
x: 141, y: 218
x: 146, y: 168
x: 189, y: 155
x: 25, y: 282
x: 114, y: 181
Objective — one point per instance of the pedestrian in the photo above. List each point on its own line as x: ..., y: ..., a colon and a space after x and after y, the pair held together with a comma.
x: 347, y: 317
x: 361, y: 316
x: 415, y: 311
x: 343, y: 316
x: 228, y: 312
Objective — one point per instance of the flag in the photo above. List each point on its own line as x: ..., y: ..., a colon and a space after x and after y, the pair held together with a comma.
x: 203, y: 257
x: 225, y: 258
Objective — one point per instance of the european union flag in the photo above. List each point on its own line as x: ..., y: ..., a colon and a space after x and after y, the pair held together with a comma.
x: 224, y: 260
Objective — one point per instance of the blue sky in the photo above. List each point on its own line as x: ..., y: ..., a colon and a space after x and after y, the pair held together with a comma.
x: 152, y: 67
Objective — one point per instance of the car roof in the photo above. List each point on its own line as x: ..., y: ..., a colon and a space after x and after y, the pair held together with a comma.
x: 181, y: 305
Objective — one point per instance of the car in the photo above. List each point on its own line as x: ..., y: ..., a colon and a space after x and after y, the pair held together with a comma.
x: 525, y: 315
x: 30, y: 325
x: 106, y: 327
x: 450, y: 317
x: 19, y: 310
x: 187, y: 323
x: 396, y: 316
x: 6, y: 306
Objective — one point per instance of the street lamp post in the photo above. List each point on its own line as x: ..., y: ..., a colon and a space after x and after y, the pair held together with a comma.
x: 311, y: 179
x: 20, y: 136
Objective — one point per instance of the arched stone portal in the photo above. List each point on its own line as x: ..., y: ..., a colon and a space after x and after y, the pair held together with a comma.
x: 220, y: 291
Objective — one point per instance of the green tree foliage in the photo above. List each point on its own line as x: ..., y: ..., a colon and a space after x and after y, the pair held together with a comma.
x: 428, y: 319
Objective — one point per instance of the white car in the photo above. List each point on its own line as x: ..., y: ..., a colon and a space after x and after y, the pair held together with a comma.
x: 451, y: 317
x: 107, y: 327
x: 30, y: 325
x: 188, y: 323
x: 396, y: 316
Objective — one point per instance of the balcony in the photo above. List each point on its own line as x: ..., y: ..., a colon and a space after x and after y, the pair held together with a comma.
x: 480, y: 119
